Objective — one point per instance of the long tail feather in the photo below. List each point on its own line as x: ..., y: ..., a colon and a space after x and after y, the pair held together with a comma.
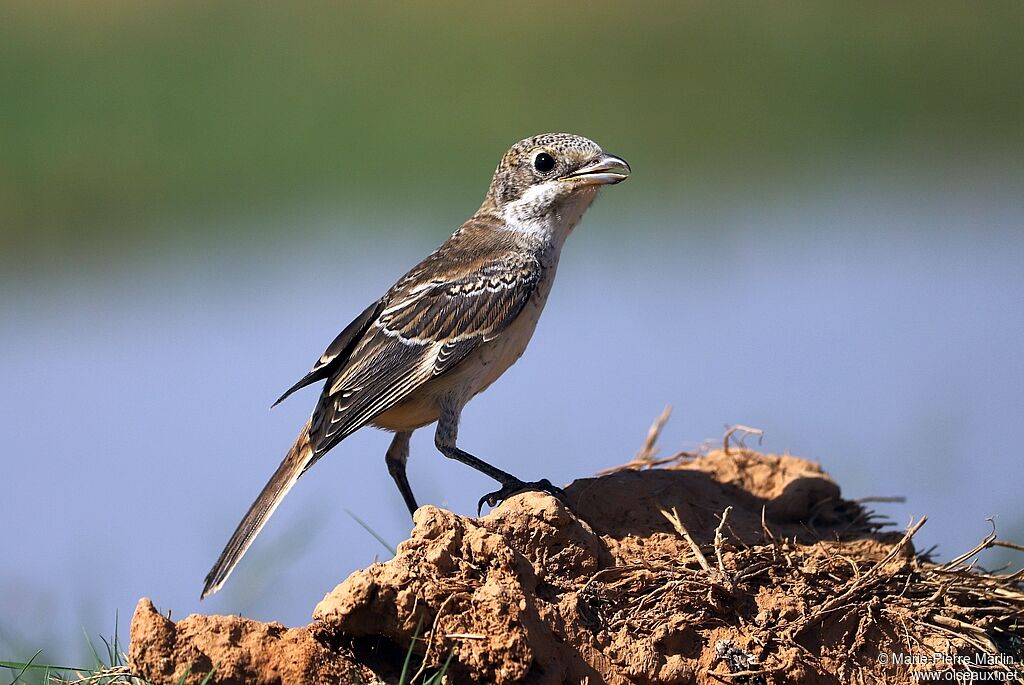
x: 294, y: 463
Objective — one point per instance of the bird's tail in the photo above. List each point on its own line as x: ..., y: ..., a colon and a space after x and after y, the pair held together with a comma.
x: 295, y: 462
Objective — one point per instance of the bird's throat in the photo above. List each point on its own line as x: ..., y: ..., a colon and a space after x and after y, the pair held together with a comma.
x: 546, y: 219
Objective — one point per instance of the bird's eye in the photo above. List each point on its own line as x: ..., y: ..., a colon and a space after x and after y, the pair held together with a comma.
x: 543, y: 162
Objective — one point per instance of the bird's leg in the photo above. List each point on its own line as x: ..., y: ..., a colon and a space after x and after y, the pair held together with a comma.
x: 445, y: 438
x: 398, y: 454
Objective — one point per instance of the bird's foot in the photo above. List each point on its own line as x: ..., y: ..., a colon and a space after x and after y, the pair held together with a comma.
x: 514, y: 487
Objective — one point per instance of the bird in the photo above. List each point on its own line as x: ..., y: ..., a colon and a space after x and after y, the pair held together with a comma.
x: 447, y: 329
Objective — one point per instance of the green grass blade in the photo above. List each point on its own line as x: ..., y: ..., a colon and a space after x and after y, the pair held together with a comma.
x: 24, y: 666
x: 92, y: 649
x: 408, y: 654
x: 30, y: 664
x: 372, y: 532
x: 185, y: 675
x: 436, y: 678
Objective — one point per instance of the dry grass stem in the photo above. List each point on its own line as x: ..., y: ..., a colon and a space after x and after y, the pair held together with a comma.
x: 645, y: 458
x: 743, y: 432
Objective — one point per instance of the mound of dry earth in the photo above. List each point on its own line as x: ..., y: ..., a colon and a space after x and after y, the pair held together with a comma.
x: 731, y: 567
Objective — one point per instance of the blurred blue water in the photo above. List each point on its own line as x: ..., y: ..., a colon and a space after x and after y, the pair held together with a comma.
x: 877, y: 331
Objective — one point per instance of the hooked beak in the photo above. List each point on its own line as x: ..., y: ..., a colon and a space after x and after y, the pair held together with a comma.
x: 605, y: 170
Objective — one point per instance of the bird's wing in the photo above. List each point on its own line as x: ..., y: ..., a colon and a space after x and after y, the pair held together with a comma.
x: 427, y: 327
x: 338, y: 351
x: 424, y: 327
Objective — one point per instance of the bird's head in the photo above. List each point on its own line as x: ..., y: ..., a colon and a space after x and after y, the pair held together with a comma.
x: 551, y: 179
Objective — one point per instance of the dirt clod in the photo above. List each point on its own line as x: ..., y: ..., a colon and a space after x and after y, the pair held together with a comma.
x: 731, y: 567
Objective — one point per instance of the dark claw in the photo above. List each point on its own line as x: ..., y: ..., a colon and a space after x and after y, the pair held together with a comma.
x: 493, y: 499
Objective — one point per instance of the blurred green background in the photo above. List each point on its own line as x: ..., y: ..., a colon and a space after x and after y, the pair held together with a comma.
x: 822, y: 237
x: 117, y: 115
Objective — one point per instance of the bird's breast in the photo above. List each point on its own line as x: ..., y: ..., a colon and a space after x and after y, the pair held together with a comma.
x: 494, y: 357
